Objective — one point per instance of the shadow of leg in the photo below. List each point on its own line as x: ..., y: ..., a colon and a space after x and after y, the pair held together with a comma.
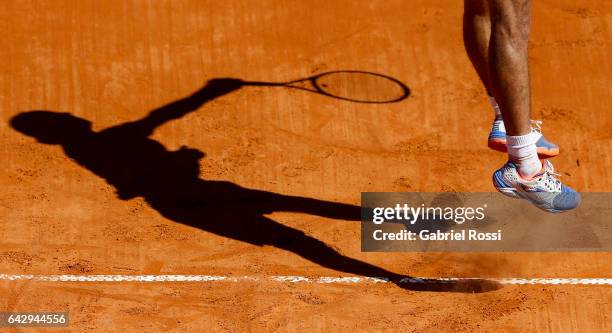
x: 310, y: 248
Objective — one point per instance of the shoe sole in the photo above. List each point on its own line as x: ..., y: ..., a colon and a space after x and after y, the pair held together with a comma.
x: 509, y: 192
x: 543, y: 153
x: 513, y: 193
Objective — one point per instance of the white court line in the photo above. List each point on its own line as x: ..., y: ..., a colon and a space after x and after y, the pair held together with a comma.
x: 295, y: 279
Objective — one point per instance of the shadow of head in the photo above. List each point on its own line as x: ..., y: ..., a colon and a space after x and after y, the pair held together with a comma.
x: 51, y: 127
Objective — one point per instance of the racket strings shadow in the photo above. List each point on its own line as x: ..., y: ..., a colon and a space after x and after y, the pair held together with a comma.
x: 169, y: 181
x: 377, y: 88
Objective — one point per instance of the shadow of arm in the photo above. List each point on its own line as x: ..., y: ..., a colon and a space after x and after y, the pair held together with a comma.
x: 179, y: 108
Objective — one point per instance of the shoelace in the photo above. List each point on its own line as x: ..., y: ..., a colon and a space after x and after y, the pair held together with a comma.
x: 549, y: 177
x: 536, y: 125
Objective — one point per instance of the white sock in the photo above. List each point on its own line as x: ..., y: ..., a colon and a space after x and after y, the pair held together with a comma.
x: 495, y: 107
x: 523, y: 151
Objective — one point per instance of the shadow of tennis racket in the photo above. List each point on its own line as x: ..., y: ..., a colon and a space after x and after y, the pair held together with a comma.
x: 349, y: 85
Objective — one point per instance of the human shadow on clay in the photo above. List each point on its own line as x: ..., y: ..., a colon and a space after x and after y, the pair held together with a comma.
x: 138, y: 166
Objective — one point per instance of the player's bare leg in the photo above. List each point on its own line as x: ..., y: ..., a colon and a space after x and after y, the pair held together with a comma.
x: 508, y: 62
x: 523, y: 176
x: 477, y: 37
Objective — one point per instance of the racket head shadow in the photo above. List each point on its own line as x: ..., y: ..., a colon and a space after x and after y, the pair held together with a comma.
x: 360, y: 86
x: 348, y: 85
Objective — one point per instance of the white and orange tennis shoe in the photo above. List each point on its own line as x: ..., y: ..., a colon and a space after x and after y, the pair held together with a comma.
x: 497, y: 139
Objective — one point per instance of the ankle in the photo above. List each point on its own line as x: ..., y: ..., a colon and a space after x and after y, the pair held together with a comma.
x: 495, y: 107
x: 524, y: 153
x: 528, y: 169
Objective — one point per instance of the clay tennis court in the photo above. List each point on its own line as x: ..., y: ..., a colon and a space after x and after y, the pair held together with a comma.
x: 113, y: 62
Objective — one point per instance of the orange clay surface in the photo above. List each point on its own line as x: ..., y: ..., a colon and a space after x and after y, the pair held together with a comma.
x: 112, y: 61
